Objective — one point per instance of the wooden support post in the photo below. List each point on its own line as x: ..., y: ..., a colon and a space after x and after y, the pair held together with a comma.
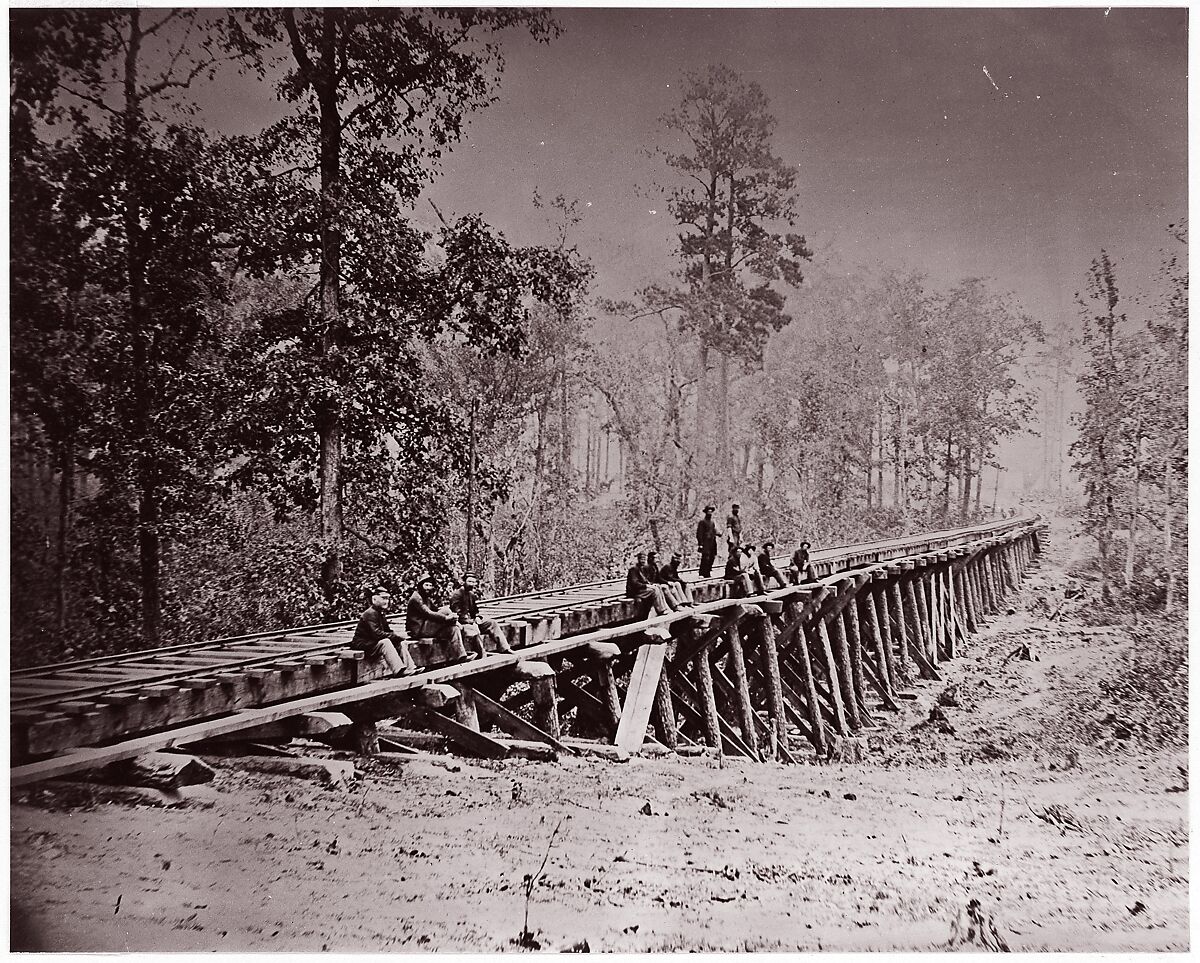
x: 873, y: 643
x: 964, y: 596
x: 977, y: 595
x: 545, y: 706
x: 841, y: 672
x: 811, y: 707
x: 665, y: 727
x: 895, y: 608
x: 465, y: 713
x: 844, y: 707
x: 609, y: 694
x: 768, y: 658
x: 951, y: 612
x: 745, y: 709
x: 989, y: 585
x: 878, y: 602
x: 850, y: 628
x: 708, y: 702
x: 916, y: 637
x: 930, y: 596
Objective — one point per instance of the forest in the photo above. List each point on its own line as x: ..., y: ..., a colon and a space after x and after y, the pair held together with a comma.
x: 247, y: 385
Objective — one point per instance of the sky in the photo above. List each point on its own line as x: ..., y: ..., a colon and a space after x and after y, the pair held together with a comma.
x: 1007, y: 144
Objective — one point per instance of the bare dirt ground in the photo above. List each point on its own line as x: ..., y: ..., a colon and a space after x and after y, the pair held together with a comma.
x: 1054, y: 792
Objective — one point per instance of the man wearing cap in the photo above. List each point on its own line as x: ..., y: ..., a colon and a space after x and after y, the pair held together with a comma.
x: 374, y: 635
x: 669, y: 573
x: 766, y: 567
x: 463, y: 604
x: 650, y: 597
x: 706, y: 541
x: 800, y: 569
x: 425, y: 619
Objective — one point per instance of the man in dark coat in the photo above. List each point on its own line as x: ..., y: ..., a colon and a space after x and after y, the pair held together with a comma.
x: 669, y: 573
x: 374, y: 636
x: 426, y: 619
x: 800, y: 569
x: 464, y: 604
x: 766, y: 567
x: 733, y: 528
x: 706, y: 541
x: 639, y: 587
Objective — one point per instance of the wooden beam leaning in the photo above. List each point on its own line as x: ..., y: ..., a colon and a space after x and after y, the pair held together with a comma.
x: 854, y: 640
x: 877, y: 600
x: 840, y: 724
x: 513, y: 724
x: 874, y: 652
x: 895, y: 608
x: 640, y: 697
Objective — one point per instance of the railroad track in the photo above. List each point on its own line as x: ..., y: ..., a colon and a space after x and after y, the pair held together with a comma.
x: 100, y: 698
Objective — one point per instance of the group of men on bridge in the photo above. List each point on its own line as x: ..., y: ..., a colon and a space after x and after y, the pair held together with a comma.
x: 457, y: 622
x: 663, y: 590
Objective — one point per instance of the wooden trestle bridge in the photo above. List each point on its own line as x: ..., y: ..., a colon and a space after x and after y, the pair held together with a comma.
x: 768, y: 675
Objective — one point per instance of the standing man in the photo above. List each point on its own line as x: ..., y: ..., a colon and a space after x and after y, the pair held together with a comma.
x: 427, y: 620
x: 706, y: 541
x: 463, y: 604
x: 374, y: 636
x: 733, y: 529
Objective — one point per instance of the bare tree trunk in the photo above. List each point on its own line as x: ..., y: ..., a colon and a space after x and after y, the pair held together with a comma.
x: 703, y: 406
x: 965, y: 493
x: 1135, y: 506
x: 724, y: 450
x: 946, y: 480
x: 66, y: 494
x: 879, y: 456
x: 979, y: 485
x: 870, y: 467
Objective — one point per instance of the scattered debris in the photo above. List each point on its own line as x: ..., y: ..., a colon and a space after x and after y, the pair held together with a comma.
x: 975, y: 926
x: 1059, y: 816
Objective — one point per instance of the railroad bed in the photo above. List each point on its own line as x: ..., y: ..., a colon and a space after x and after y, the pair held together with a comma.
x: 580, y: 648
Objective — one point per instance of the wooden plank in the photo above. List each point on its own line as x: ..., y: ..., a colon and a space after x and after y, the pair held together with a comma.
x: 469, y: 739
x: 514, y: 725
x: 639, y: 697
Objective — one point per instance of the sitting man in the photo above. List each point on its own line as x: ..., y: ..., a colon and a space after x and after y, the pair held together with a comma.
x: 669, y: 573
x: 374, y: 636
x: 670, y: 591
x: 463, y: 603
x: 800, y: 569
x: 427, y: 620
x: 766, y: 568
x: 638, y: 587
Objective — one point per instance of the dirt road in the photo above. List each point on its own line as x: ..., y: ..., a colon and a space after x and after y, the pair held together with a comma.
x: 1069, y: 827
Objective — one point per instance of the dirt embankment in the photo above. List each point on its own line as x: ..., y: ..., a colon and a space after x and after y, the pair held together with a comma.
x: 1050, y: 790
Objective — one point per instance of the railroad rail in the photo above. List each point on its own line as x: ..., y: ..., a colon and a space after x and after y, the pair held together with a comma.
x: 69, y: 713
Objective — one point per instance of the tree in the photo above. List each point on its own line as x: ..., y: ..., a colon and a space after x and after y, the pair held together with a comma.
x: 380, y: 94
x: 1097, y: 450
x: 736, y: 194
x: 138, y: 215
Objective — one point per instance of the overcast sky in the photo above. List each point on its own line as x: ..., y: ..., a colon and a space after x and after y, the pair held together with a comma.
x: 908, y: 153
